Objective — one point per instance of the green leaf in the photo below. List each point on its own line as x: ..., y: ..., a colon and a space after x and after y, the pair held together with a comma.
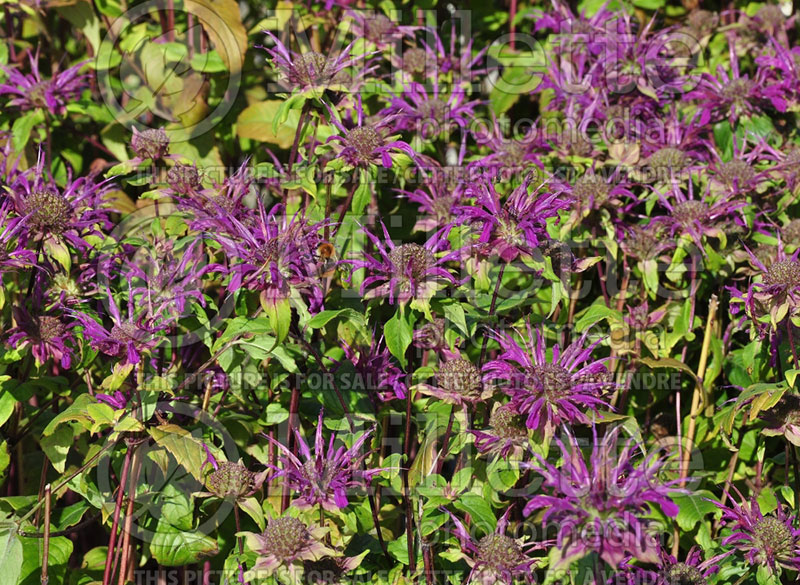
x: 75, y: 412
x: 693, y: 507
x: 172, y: 547
x: 454, y: 313
x: 362, y: 194
x: 60, y: 551
x: 21, y: 130
x: 56, y: 446
x: 480, y: 511
x: 186, y: 449
x: 595, y: 313
x: 398, y: 335
x: 11, y: 554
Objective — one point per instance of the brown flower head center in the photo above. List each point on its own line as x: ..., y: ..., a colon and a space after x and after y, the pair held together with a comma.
x: 321, y: 477
x: 125, y: 332
x: 411, y: 261
x: 414, y: 60
x: 376, y: 29
x: 669, y: 158
x: 433, y: 109
x: 310, y: 68
x: 737, y: 91
x: 460, y: 377
x: 591, y: 190
x: 364, y: 141
x: 230, y: 480
x: 736, y: 173
x: 783, y: 272
x: 683, y: 574
x: 499, y: 552
x: 555, y: 381
x: 183, y: 178
x: 773, y: 538
x: 49, y: 328
x: 49, y: 212
x: 285, y: 537
x: 687, y: 212
x: 507, y: 424
x: 151, y: 143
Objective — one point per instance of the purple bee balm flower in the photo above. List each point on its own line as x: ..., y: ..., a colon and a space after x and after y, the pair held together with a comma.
x: 431, y: 115
x: 506, y: 435
x: 508, y: 156
x: 518, y: 226
x: 436, y: 61
x: 47, y: 335
x: 601, y: 505
x: 592, y: 192
x: 775, y: 296
x: 378, y: 29
x: 783, y: 419
x: 696, y: 218
x: 768, y: 540
x: 126, y: 339
x: 54, y: 215
x: 367, y: 143
x: 437, y: 203
x: 13, y: 254
x: 378, y: 373
x: 213, y: 206
x: 408, y: 271
x: 554, y: 391
x: 733, y: 95
x: 495, y: 558
x: 31, y: 91
x: 692, y: 571
x: 164, y: 279
x: 276, y: 256
x: 311, y: 71
x: 324, y: 477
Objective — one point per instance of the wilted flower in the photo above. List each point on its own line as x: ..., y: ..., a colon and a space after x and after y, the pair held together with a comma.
x: 31, y: 91
x: 784, y: 419
x: 323, y: 478
x: 458, y: 381
x: 47, y: 335
x: 771, y: 541
x: 184, y: 179
x: 775, y: 296
x: 495, y: 557
x: 549, y: 392
x: 150, y: 144
x: 330, y: 570
x: 506, y: 434
x: 286, y: 543
x: 408, y: 271
x: 232, y: 480
x: 601, y: 505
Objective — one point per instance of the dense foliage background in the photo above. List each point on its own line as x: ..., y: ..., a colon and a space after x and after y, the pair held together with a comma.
x: 330, y: 292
